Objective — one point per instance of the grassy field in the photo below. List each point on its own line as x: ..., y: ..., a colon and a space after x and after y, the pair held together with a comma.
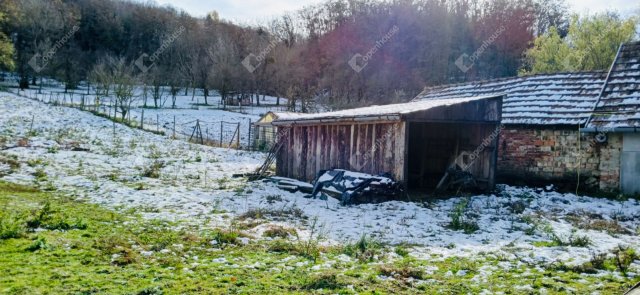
x: 50, y: 244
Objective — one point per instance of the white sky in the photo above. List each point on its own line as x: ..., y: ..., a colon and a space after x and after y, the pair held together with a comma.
x: 253, y: 11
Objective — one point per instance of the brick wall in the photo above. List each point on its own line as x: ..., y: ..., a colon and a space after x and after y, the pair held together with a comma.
x: 556, y: 155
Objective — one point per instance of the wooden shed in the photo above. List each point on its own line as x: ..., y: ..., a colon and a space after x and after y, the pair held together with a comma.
x: 415, y: 142
x: 265, y: 133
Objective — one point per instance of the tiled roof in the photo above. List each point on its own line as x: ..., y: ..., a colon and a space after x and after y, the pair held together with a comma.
x: 619, y: 105
x: 547, y: 99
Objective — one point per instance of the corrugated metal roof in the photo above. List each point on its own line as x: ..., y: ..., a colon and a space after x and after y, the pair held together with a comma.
x: 547, y: 99
x: 619, y: 105
x: 382, y: 112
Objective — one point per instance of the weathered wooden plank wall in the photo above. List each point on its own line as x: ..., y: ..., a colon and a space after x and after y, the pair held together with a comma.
x: 371, y: 148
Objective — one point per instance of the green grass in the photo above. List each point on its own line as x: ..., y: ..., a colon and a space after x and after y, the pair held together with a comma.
x: 50, y: 244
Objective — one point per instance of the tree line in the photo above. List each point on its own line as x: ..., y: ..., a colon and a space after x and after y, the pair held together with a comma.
x: 340, y: 52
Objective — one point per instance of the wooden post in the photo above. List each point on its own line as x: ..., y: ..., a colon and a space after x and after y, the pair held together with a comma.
x: 158, y: 123
x: 249, y: 137
x: 195, y: 129
x: 221, y: 127
x: 174, y: 127
x: 238, y: 138
x: 142, y: 120
x: 200, y: 132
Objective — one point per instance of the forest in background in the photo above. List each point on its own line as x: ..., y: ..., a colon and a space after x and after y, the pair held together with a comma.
x: 340, y: 52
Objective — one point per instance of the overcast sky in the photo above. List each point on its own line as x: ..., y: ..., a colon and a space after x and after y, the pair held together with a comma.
x: 253, y: 11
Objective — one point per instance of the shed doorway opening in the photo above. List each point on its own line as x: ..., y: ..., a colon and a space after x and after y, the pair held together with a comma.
x: 434, y: 147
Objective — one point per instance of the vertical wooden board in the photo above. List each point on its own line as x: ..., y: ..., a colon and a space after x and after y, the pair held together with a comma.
x: 352, y: 142
x: 304, y: 159
x: 328, y: 146
x: 312, y: 155
x: 334, y: 146
x: 345, y: 146
x: 376, y: 139
x: 388, y: 160
x: 320, y: 143
x: 355, y: 150
x: 295, y: 152
x: 366, y: 148
x: 362, y: 147
x: 297, y: 148
x: 399, y: 152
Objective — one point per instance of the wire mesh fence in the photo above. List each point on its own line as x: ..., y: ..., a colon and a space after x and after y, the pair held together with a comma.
x: 236, y: 135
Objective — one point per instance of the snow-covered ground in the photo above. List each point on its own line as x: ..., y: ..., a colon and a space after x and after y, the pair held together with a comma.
x: 79, y: 154
x: 189, y: 109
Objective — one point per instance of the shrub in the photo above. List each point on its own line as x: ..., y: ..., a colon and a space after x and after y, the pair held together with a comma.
x: 279, y: 232
x: 225, y: 237
x: 310, y: 247
x: 11, y: 161
x: 402, y: 251
x: 460, y: 220
x: 39, y: 243
x: 624, y: 256
x: 364, y: 249
x: 48, y: 218
x: 323, y: 281
x: 403, y: 272
x: 277, y: 214
x: 11, y: 227
x: 153, y: 170
x: 282, y: 246
x: 40, y: 175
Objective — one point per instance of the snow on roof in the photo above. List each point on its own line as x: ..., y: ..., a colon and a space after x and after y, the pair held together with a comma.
x: 288, y: 115
x: 388, y: 112
x: 547, y: 99
x: 619, y: 105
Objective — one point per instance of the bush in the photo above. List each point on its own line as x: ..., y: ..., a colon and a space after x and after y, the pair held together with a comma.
x: 323, y: 281
x: 39, y: 243
x: 48, y: 218
x: 279, y: 232
x: 364, y: 249
x: 11, y: 227
x: 403, y: 272
x: 225, y: 237
x: 283, y: 214
x: 153, y: 170
x: 282, y: 246
x: 460, y: 220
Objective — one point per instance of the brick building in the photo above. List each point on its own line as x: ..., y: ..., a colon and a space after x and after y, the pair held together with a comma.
x: 567, y: 128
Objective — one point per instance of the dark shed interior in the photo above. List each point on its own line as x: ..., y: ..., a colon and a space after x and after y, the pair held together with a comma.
x: 433, y: 148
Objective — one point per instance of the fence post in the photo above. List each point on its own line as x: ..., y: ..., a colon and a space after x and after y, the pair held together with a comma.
x: 249, y: 147
x: 174, y: 127
x: 238, y: 138
x: 221, y: 128
x: 158, y: 123
x: 142, y: 120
